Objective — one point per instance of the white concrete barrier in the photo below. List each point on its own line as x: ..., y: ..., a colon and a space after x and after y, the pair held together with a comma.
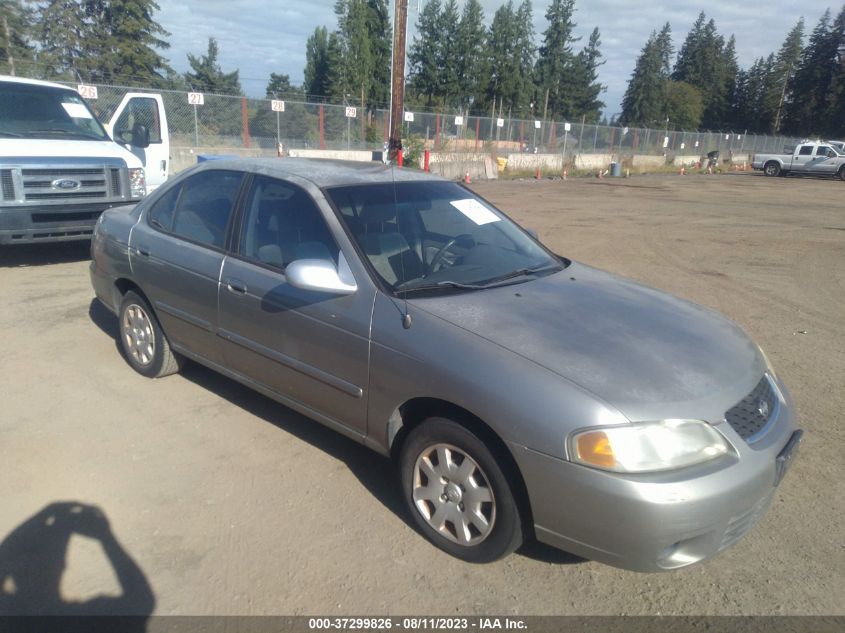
x: 520, y: 162
x: 361, y: 156
x: 593, y: 161
x: 645, y: 162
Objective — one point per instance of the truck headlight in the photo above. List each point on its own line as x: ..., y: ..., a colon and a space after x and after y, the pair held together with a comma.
x: 647, y: 446
x: 137, y: 183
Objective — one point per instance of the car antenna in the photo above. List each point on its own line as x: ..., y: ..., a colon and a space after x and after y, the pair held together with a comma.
x: 407, y: 321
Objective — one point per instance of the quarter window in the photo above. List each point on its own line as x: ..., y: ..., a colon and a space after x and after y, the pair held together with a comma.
x: 205, y: 206
x: 282, y: 223
x: 161, y: 213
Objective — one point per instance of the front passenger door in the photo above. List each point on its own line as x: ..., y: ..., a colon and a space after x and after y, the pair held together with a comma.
x: 310, y: 348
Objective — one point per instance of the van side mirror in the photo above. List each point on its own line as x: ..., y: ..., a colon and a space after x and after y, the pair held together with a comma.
x: 319, y: 275
x: 140, y: 136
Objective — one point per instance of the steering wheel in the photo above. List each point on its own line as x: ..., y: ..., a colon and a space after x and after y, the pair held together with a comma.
x: 439, y: 255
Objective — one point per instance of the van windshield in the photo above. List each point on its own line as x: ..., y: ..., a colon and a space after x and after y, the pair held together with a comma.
x: 45, y: 112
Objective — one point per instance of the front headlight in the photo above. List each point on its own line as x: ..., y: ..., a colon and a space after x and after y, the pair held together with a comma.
x: 647, y: 446
x: 137, y: 183
x: 769, y: 369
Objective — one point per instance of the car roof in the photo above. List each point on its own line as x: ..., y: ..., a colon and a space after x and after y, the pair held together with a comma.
x: 321, y: 171
x: 33, y: 82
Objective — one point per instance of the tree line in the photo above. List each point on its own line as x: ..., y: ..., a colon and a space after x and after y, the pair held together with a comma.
x: 798, y: 90
x: 456, y: 61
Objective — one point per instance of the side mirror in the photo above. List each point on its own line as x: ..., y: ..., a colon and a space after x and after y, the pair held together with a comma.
x: 319, y: 275
x: 141, y: 136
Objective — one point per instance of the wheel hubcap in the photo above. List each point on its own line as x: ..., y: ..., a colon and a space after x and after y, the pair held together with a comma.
x: 453, y: 494
x: 138, y: 334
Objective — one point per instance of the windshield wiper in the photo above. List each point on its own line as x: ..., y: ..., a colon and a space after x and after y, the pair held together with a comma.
x: 521, y: 272
x: 66, y: 133
x: 440, y: 285
x: 11, y: 134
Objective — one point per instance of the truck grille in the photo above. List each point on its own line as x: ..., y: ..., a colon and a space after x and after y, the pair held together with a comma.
x: 753, y: 412
x: 82, y: 183
x: 7, y: 185
x: 115, y: 183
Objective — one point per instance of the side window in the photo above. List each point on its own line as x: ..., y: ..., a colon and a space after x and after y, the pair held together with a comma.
x: 806, y: 150
x: 140, y: 111
x: 161, y: 213
x: 205, y: 206
x: 822, y: 150
x: 282, y: 223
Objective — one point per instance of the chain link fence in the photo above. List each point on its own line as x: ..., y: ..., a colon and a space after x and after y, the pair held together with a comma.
x: 224, y: 121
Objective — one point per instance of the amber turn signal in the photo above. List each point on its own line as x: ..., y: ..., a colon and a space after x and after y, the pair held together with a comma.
x: 594, y: 448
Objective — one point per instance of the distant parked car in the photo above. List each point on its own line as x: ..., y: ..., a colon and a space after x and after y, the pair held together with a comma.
x: 815, y: 159
x: 522, y: 394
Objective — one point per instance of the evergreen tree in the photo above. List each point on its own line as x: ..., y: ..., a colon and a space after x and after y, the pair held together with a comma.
x: 835, y: 111
x: 786, y: 64
x: 424, y: 56
x: 555, y: 62
x: 502, y: 62
x: 448, y: 51
x: 381, y: 42
x: 317, y: 63
x: 208, y: 76
x: 683, y: 105
x: 645, y: 98
x: 471, y: 55
x: 813, y: 80
x: 61, y: 32
x: 16, y: 30
x: 364, y: 35
x: 586, y: 102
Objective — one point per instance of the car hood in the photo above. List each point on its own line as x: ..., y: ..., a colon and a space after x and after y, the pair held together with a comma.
x: 81, y: 150
x: 648, y: 354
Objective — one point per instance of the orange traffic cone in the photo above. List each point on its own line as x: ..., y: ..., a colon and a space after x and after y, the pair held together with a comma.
x: 537, y: 174
x: 565, y: 174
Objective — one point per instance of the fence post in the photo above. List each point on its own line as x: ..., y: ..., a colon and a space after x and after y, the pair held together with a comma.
x: 477, y: 131
x: 521, y: 134
x: 437, y: 132
x: 322, y: 127
x: 245, y: 121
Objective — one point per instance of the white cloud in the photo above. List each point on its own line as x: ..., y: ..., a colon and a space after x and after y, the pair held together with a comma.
x: 264, y: 37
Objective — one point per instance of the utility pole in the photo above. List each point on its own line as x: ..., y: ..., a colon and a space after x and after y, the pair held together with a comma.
x: 397, y: 81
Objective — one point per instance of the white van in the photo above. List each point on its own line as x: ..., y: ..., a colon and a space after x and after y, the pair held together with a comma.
x: 60, y: 168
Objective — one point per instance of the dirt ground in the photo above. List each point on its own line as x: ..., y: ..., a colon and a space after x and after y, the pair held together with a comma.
x: 220, y: 501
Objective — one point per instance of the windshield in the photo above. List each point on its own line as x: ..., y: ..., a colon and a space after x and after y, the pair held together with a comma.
x: 432, y: 234
x: 28, y: 111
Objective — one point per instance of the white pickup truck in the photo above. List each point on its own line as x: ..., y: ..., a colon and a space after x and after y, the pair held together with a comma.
x: 813, y: 158
x: 60, y: 168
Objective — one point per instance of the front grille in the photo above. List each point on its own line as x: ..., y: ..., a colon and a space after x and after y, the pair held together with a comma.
x: 115, y: 183
x: 91, y: 183
x: 7, y: 185
x: 747, y: 416
x: 77, y: 216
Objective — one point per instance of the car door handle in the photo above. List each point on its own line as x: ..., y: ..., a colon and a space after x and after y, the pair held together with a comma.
x: 236, y: 286
x: 143, y: 251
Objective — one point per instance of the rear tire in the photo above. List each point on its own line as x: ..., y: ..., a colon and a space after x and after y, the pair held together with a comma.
x: 841, y: 173
x: 457, y: 493
x: 142, y: 340
x: 771, y: 169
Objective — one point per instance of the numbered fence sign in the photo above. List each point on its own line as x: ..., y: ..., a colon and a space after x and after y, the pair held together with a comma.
x: 665, y: 142
x: 277, y: 106
x: 500, y: 123
x: 567, y: 127
x: 196, y: 98
x: 537, y: 125
x: 409, y: 117
x: 87, y: 92
x: 459, y: 120
x: 351, y: 112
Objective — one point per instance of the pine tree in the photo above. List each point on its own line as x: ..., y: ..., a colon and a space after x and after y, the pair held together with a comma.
x: 787, y: 62
x: 587, y: 102
x: 447, y: 53
x: 502, y: 83
x: 381, y: 42
x: 16, y: 31
x: 526, y: 53
x: 471, y: 55
x: 424, y: 56
x: 555, y: 62
x: 62, y: 33
x: 645, y: 98
x: 208, y: 76
x: 813, y: 80
x: 835, y: 114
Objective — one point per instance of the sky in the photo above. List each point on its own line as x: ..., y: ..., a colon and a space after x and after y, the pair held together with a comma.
x: 259, y: 36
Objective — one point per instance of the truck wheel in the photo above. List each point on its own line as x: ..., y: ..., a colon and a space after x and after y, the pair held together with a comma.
x: 457, y: 493
x: 841, y: 173
x: 143, y: 342
x: 771, y: 169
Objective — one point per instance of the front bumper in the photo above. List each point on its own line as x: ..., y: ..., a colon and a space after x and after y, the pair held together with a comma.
x: 54, y: 223
x: 657, y: 521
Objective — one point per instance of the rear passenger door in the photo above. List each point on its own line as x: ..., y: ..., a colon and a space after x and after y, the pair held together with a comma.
x: 310, y: 348
x: 176, y: 252
x: 803, y: 158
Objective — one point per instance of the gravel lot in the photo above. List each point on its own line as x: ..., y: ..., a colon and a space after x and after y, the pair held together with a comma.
x: 231, y: 504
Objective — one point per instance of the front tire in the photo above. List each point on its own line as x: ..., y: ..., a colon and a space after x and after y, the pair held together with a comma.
x: 841, y: 173
x: 142, y: 340
x: 457, y: 493
x: 771, y: 169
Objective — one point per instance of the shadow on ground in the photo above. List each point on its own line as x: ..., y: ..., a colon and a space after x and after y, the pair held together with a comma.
x: 25, y: 255
x: 375, y: 473
x: 33, y: 558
